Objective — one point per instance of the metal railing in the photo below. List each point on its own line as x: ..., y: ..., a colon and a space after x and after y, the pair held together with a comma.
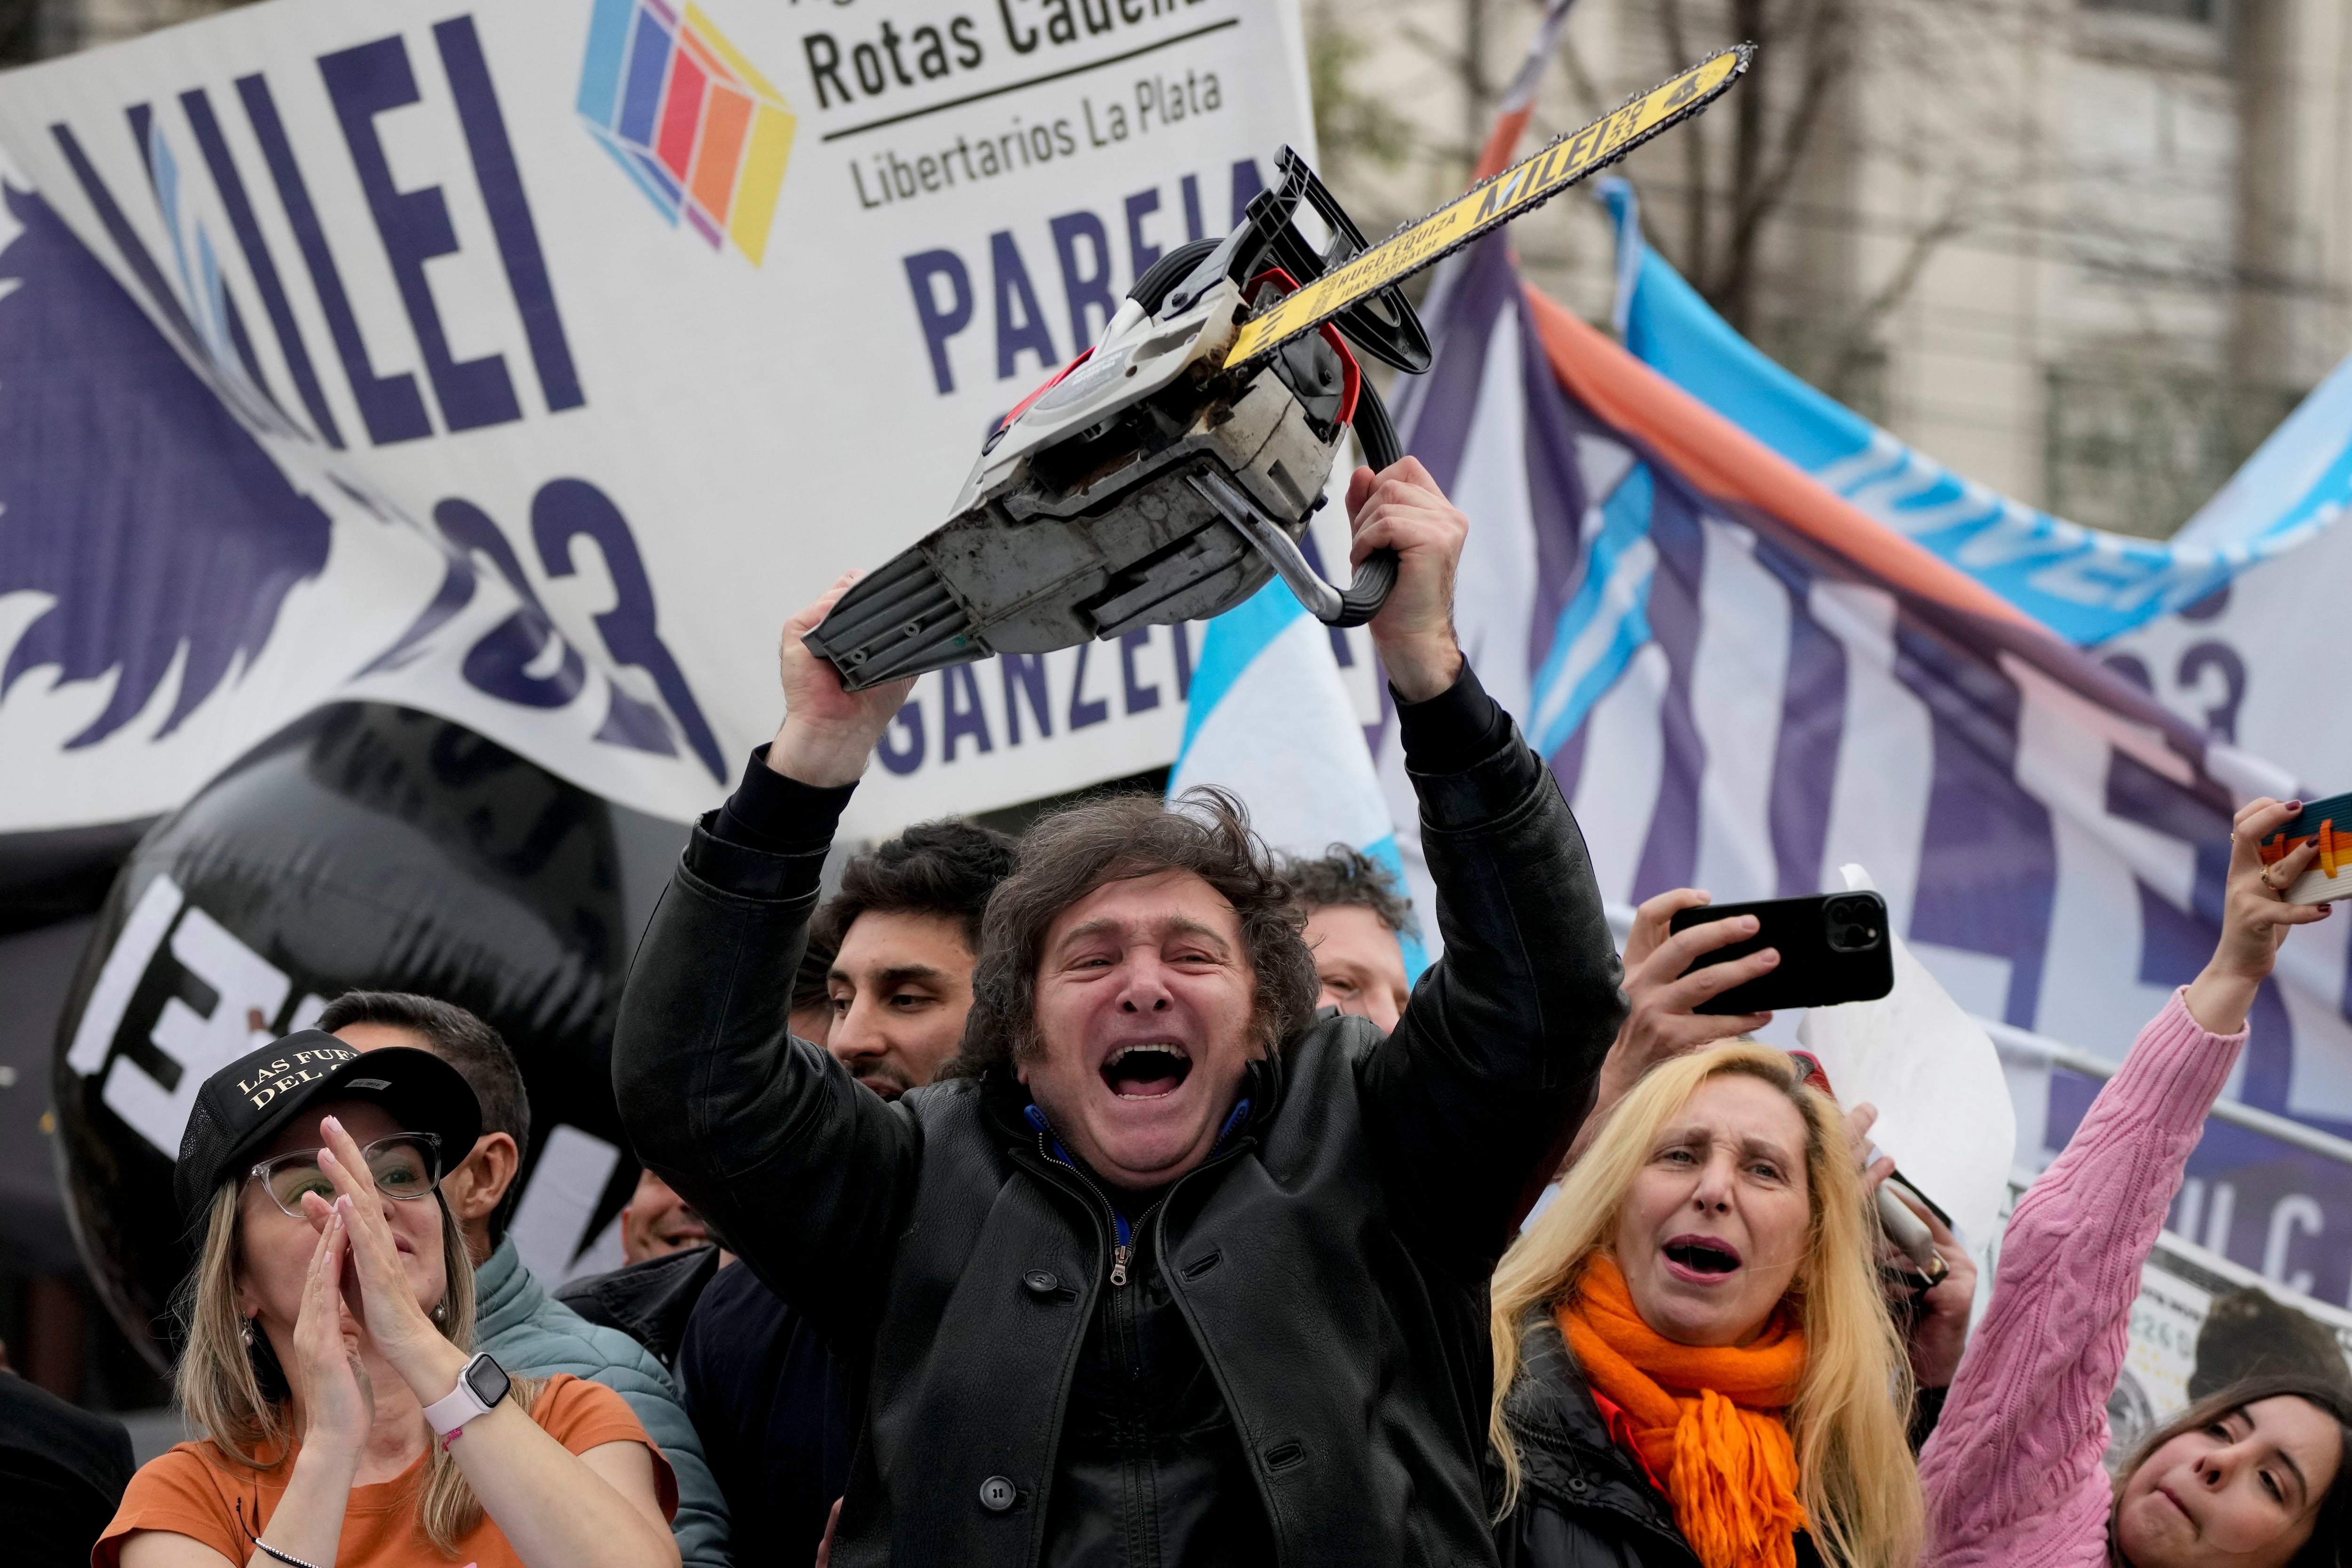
x: 2042, y: 1050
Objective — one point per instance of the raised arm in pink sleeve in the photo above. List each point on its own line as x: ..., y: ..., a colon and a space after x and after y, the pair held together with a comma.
x: 2012, y: 1474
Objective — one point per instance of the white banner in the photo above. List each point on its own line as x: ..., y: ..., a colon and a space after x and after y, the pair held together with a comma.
x: 529, y: 364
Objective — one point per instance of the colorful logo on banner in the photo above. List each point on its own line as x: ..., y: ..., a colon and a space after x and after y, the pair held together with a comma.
x: 702, y: 133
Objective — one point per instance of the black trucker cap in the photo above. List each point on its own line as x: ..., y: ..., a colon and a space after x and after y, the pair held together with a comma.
x: 244, y: 1106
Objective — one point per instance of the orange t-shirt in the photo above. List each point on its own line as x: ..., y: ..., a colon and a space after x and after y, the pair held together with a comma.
x: 194, y: 1492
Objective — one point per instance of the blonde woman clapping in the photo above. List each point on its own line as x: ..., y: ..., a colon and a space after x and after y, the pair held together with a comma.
x: 329, y: 1316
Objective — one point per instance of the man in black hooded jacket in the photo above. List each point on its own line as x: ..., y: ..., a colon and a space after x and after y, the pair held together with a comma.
x: 1167, y: 1270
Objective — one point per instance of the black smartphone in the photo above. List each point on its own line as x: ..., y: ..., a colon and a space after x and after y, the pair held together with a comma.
x: 1833, y: 948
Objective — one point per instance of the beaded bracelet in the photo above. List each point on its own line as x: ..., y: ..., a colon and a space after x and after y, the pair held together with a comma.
x: 289, y: 1559
x: 267, y: 1550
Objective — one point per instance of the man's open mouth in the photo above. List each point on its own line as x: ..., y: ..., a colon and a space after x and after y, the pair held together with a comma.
x: 1702, y: 1255
x: 1146, y: 1072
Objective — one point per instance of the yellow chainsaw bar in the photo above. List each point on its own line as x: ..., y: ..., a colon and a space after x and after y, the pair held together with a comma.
x: 1521, y: 188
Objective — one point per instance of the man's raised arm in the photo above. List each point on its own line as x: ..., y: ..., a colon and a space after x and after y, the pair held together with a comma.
x: 1497, y: 1054
x: 802, y: 1170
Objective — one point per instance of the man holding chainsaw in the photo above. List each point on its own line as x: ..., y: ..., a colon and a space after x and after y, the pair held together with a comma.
x: 1169, y: 1269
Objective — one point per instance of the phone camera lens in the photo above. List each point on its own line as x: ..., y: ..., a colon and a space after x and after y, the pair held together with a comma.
x: 1851, y: 926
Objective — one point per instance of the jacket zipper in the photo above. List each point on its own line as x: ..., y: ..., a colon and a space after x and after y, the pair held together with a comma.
x: 1126, y: 1233
x: 1123, y: 1248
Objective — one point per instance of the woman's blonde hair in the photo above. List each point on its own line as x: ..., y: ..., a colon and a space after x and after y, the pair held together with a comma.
x: 219, y: 1380
x: 1857, y: 1481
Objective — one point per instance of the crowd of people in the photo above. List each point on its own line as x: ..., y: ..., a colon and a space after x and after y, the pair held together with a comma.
x: 1109, y: 1198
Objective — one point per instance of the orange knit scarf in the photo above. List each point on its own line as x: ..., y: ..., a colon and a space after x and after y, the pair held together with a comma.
x: 1708, y: 1419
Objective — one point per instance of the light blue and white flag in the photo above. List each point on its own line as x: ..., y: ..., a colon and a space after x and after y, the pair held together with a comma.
x: 1742, y: 683
x: 2085, y: 584
x: 1271, y: 720
x: 2296, y: 482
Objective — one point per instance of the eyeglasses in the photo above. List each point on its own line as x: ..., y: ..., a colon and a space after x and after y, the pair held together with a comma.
x: 406, y: 1165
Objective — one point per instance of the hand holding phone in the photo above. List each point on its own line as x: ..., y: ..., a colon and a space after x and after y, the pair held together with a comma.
x: 1834, y: 947
x: 1664, y: 990
x: 1667, y: 989
x: 2327, y: 825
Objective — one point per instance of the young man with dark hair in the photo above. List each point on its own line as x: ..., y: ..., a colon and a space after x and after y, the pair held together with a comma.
x: 904, y: 930
x: 886, y: 995
x: 515, y: 1320
x: 1179, y: 1273
x: 1355, y: 918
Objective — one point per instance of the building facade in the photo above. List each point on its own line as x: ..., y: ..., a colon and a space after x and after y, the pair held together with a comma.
x: 2088, y: 252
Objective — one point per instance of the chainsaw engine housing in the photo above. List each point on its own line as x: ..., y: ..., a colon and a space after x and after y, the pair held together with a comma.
x: 1144, y: 486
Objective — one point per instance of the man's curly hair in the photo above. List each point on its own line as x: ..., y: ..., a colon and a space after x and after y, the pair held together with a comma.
x: 1068, y: 855
x: 946, y: 868
x: 1346, y: 875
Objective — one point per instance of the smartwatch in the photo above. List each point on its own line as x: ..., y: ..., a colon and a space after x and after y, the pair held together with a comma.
x: 481, y: 1383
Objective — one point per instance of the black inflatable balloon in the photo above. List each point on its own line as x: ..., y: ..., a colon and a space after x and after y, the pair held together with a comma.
x: 366, y: 846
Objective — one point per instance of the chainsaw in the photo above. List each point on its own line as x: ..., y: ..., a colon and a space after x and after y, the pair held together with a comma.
x: 1169, y: 472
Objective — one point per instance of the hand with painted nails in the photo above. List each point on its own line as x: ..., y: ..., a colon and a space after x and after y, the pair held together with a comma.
x: 2256, y: 917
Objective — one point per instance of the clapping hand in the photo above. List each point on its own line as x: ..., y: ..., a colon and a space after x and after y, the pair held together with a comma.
x: 331, y: 1383
x: 377, y: 1290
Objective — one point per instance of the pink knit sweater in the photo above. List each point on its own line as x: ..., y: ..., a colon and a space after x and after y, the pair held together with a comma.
x: 2012, y: 1474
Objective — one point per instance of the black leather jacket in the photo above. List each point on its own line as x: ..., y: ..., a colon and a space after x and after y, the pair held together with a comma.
x: 1297, y: 1367
x: 650, y: 1301
x: 1583, y: 1502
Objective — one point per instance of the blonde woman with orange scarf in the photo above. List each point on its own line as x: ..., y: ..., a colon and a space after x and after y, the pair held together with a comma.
x: 1694, y: 1362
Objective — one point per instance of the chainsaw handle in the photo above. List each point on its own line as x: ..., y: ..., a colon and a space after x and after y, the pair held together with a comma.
x: 1369, y: 591
x: 1378, y: 575
x: 1374, y: 432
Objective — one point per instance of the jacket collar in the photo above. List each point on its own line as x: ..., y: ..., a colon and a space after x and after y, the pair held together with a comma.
x: 505, y: 1292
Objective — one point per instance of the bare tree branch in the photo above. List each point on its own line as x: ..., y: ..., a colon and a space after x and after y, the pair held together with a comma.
x: 1858, y: 336
x: 1823, y: 36
x: 1694, y: 193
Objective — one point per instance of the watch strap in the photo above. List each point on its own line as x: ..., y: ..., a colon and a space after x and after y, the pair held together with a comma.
x: 459, y: 1406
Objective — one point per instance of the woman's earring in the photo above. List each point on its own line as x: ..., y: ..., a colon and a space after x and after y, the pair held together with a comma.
x: 245, y: 1332
x: 441, y: 1312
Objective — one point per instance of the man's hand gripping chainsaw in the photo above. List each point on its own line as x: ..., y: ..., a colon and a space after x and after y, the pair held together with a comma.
x: 1167, y: 472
